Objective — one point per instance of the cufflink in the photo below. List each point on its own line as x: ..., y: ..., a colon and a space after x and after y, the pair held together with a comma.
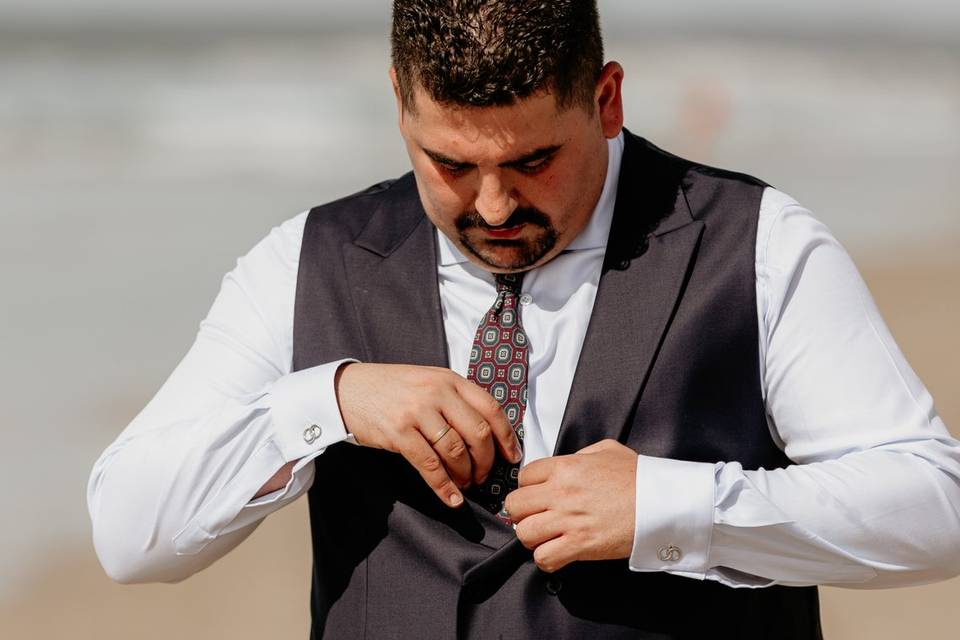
x: 669, y: 553
x: 311, y: 433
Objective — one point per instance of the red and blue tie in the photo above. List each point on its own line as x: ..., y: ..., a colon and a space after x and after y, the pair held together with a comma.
x: 498, y: 363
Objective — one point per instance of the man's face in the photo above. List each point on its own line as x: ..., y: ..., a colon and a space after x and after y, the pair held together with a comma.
x: 511, y: 186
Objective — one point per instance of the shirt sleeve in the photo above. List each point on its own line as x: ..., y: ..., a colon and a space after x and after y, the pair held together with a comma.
x: 173, y: 492
x: 873, y: 499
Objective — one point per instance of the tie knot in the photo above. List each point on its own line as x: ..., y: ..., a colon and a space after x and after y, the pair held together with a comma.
x: 511, y: 282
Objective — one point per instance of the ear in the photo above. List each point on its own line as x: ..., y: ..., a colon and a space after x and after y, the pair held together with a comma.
x: 609, y: 99
x: 396, y: 94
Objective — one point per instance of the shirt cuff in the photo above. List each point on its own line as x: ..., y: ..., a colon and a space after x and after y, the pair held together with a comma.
x: 306, y: 412
x: 674, y: 516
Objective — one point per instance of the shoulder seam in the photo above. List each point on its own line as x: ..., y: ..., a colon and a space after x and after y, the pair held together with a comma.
x: 773, y: 223
x: 372, y: 190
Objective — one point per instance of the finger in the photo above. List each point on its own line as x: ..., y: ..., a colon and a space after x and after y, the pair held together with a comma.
x: 475, y: 431
x: 554, y: 555
x: 447, y: 442
x: 426, y: 461
x: 525, y: 501
x: 537, y: 529
x: 538, y: 471
x: 496, y: 419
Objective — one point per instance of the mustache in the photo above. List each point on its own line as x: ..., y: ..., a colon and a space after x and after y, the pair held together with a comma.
x: 527, y: 215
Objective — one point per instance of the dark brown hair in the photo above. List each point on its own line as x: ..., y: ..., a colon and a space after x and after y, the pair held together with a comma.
x: 494, y: 52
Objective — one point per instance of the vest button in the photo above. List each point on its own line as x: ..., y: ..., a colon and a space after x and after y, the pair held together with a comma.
x: 554, y: 585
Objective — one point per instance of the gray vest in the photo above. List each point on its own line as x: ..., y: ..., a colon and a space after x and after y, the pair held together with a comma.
x: 669, y: 367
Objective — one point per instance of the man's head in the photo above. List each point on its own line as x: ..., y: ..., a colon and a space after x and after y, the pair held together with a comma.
x: 505, y: 107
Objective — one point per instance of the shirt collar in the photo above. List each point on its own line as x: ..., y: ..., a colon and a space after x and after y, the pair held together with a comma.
x: 593, y: 236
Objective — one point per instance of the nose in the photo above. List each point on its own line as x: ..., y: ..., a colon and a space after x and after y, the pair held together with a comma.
x: 495, y: 202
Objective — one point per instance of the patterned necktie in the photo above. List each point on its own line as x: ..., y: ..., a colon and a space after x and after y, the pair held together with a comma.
x: 498, y: 363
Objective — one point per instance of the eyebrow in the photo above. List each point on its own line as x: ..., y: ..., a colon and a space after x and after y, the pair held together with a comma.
x: 533, y: 156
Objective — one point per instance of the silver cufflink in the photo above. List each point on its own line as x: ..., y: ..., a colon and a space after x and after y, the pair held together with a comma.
x: 669, y: 553
x: 311, y: 433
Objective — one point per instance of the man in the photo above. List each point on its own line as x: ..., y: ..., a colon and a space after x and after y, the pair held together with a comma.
x: 683, y: 361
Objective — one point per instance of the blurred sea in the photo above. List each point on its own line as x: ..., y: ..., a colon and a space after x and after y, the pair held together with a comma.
x: 135, y: 169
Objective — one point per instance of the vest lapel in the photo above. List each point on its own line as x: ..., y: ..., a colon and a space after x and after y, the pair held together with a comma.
x: 392, y: 271
x: 653, y: 238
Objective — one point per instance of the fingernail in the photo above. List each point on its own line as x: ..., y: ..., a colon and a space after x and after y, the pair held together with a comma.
x: 517, y: 453
x: 456, y: 499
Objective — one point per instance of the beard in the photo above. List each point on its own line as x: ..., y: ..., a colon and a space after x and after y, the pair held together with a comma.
x: 508, y: 253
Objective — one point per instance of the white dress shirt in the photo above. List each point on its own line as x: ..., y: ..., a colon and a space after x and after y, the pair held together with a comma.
x: 873, y: 499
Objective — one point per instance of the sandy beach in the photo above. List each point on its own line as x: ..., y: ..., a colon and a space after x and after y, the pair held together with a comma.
x: 261, y: 589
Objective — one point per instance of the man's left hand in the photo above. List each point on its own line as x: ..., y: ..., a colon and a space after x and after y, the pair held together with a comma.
x: 577, y: 507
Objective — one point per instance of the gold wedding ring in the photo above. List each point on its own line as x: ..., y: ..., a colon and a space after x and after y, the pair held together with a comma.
x: 440, y: 435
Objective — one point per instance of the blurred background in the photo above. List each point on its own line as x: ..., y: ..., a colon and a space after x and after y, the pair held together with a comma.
x: 145, y: 146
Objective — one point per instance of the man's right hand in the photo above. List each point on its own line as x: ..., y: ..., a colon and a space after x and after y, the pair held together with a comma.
x: 408, y: 409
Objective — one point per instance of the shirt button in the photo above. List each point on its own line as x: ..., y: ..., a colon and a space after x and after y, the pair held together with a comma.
x: 311, y: 433
x: 526, y: 299
x: 554, y: 585
x: 669, y: 553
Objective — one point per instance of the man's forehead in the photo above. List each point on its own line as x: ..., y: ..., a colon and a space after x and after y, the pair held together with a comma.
x: 523, y: 127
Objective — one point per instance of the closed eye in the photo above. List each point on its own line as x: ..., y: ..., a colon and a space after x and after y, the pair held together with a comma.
x: 452, y: 168
x: 534, y: 166
x: 530, y: 164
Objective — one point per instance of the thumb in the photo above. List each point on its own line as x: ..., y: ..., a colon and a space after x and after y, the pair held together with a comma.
x: 596, y: 447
